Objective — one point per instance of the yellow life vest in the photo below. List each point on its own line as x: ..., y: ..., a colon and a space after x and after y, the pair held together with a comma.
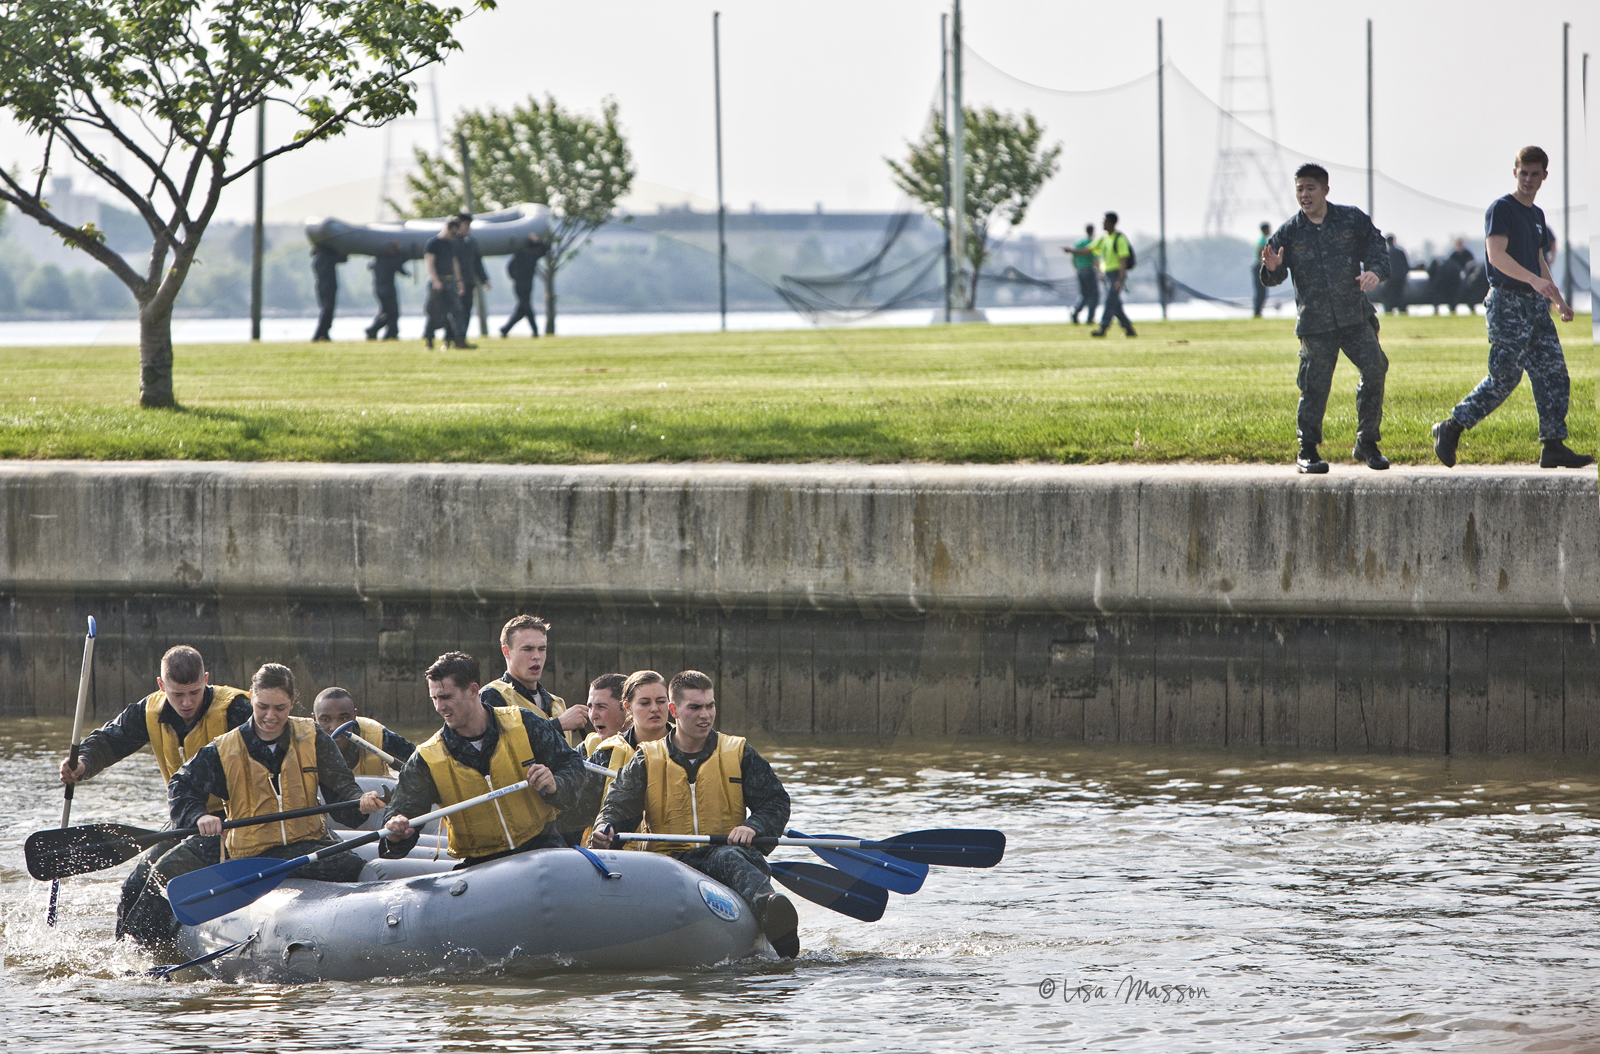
x: 713, y: 804
x: 591, y: 743
x: 250, y: 790
x: 504, y: 823
x: 512, y: 696
x: 171, y: 752
x: 622, y: 752
x: 368, y: 763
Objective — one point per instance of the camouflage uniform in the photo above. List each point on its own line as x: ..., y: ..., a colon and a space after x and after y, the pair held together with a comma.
x: 1522, y: 336
x: 1324, y: 260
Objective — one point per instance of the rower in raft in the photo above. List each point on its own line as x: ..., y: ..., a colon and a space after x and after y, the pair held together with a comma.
x: 272, y: 763
x: 336, y: 708
x: 525, y: 646
x: 696, y: 780
x: 479, y: 749
x: 644, y: 702
x: 183, y: 714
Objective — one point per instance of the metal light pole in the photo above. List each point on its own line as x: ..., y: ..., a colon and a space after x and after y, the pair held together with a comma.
x: 944, y: 143
x: 958, y: 173
x: 1161, y: 164
x: 722, y: 212
x: 1369, y: 118
x: 1566, y: 168
x: 258, y: 235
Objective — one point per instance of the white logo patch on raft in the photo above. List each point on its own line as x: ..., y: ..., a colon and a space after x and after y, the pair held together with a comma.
x: 723, y: 905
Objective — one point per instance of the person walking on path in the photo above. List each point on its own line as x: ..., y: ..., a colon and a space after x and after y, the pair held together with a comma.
x: 1260, y: 289
x: 324, y: 266
x: 1116, y: 260
x: 444, y: 286
x: 472, y: 273
x: 1394, y: 290
x: 1088, y: 281
x: 1336, y: 257
x: 385, y: 265
x: 524, y: 264
x: 1522, y: 336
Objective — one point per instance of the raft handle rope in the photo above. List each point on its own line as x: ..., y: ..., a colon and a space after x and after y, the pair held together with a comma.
x: 599, y: 864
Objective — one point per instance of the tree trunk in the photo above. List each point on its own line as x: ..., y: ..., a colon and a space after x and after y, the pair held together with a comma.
x: 549, y: 300
x: 155, y: 355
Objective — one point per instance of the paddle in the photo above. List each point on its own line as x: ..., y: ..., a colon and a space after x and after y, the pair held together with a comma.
x: 79, y: 850
x: 77, y: 746
x: 954, y: 847
x: 202, y: 895
x: 349, y: 729
x: 833, y: 889
x: 900, y: 876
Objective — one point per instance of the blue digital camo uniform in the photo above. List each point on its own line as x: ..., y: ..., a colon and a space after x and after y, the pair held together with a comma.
x: 1522, y: 336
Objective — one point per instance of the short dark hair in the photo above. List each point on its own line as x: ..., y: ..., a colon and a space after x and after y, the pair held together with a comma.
x: 638, y: 679
x: 334, y: 693
x: 453, y: 222
x: 688, y: 681
x: 522, y: 622
x: 182, y: 665
x: 464, y: 216
x: 1112, y: 216
x: 274, y: 675
x: 1265, y: 226
x: 608, y: 682
x: 1533, y: 155
x: 455, y: 666
x: 1311, y: 170
x: 1088, y: 228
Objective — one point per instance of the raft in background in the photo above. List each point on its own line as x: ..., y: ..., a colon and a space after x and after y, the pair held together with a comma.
x: 496, y: 233
x: 1418, y: 609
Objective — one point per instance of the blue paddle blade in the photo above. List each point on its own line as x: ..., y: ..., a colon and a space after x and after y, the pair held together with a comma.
x: 211, y: 905
x: 834, y: 890
x: 955, y: 847
x: 892, y: 873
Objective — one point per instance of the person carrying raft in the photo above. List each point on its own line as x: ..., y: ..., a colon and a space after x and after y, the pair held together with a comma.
x: 272, y: 763
x: 183, y: 714
x: 479, y: 749
x: 698, y: 781
x: 644, y: 701
x: 336, y: 708
x: 525, y: 644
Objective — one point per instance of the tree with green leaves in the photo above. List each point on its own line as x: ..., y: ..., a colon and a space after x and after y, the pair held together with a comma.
x: 543, y: 154
x: 169, y: 85
x: 1005, y: 163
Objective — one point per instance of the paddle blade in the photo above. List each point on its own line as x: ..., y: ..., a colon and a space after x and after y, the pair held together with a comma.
x: 892, y: 873
x: 68, y: 851
x: 954, y: 847
x: 833, y: 889
x: 213, y: 901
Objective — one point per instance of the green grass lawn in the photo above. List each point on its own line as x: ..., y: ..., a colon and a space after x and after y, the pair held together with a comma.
x: 1180, y: 391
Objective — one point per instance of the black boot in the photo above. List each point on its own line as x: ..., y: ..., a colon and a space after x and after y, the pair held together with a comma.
x: 1309, y: 462
x: 1557, y: 455
x: 780, y: 923
x: 1446, y: 435
x: 1369, y: 454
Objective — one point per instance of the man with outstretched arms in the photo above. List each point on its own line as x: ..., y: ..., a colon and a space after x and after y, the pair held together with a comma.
x: 1522, y: 336
x: 270, y: 764
x: 1336, y: 257
x: 525, y: 644
x: 480, y: 749
x: 183, y: 714
x: 698, y: 781
x: 336, y: 708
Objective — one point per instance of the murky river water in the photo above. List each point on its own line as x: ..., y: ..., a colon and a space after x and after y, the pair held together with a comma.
x: 1151, y: 900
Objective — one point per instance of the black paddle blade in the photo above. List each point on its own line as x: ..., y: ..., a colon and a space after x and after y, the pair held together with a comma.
x: 833, y: 889
x: 68, y: 851
x: 955, y: 847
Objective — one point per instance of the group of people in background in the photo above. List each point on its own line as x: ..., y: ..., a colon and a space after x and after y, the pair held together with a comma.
x: 453, y: 266
x: 642, y: 753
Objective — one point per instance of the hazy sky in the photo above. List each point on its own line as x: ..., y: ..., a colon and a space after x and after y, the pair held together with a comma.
x: 816, y: 94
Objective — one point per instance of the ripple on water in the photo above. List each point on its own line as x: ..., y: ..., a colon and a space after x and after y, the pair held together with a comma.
x: 1169, y: 899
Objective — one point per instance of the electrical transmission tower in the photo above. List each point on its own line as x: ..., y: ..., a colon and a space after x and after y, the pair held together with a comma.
x: 390, y: 181
x: 1251, y: 183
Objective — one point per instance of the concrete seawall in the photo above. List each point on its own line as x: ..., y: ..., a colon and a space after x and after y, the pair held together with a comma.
x: 1179, y: 603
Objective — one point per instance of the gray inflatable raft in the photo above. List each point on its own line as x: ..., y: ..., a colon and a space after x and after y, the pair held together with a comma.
x: 496, y: 233
x: 549, y: 908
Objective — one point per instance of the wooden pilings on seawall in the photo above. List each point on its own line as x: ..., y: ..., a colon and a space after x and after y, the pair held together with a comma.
x: 1414, y: 610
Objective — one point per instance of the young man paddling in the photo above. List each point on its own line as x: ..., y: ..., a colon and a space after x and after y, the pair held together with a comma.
x: 479, y: 749
x: 183, y: 714
x: 698, y: 781
x: 1336, y: 257
x: 525, y: 645
x: 1522, y: 336
x: 272, y: 763
x: 336, y: 708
